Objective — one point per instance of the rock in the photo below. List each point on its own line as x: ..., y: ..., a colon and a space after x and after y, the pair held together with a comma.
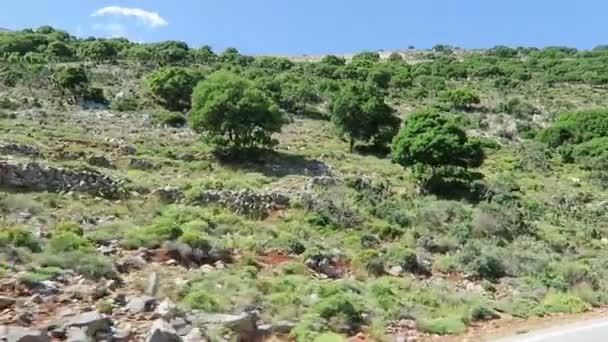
x: 128, y: 150
x: 21, y: 334
x: 319, y: 181
x: 122, y: 335
x: 166, y: 310
x: 77, y: 335
x: 283, y: 327
x: 169, y: 194
x: 182, y: 328
x: 152, y: 284
x: 91, y: 322
x: 130, y: 263
x: 141, y: 304
x: 141, y: 164
x: 100, y: 161
x: 6, y: 302
x: 245, y: 323
x: 396, y: 271
x: 195, y: 335
x: 162, y: 331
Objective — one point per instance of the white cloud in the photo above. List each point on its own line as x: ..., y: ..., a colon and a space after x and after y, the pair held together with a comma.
x: 113, y: 30
x: 151, y: 19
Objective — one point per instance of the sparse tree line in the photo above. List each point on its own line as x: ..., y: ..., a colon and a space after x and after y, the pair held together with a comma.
x: 238, y: 102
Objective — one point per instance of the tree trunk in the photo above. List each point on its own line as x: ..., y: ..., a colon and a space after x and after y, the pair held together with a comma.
x: 351, y: 145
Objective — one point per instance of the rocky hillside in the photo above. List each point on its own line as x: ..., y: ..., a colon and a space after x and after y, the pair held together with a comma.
x: 126, y: 216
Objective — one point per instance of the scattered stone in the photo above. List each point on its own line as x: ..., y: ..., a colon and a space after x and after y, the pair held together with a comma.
x: 141, y: 304
x: 122, y: 335
x: 320, y: 181
x: 152, y: 284
x: 169, y: 194
x: 166, y: 310
x: 182, y: 328
x: 141, y: 164
x: 92, y: 322
x: 162, y: 331
x: 6, y: 302
x: 130, y: 263
x: 195, y: 335
x: 396, y: 271
x: 100, y: 161
x: 283, y: 327
x: 128, y: 150
x: 324, y: 265
x: 21, y: 334
x: 245, y: 323
x: 77, y: 335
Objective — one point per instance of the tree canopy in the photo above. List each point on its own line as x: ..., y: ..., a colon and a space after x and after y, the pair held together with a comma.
x: 359, y: 113
x: 232, y: 111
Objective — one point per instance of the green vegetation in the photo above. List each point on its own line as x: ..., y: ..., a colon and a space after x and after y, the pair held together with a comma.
x: 232, y: 111
x: 491, y: 200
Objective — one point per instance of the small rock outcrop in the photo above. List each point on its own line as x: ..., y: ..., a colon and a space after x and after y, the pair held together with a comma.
x: 162, y: 331
x: 100, y: 161
x: 141, y: 164
x: 35, y: 177
x: 169, y: 194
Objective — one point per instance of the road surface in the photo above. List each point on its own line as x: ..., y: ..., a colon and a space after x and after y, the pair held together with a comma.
x: 587, y: 331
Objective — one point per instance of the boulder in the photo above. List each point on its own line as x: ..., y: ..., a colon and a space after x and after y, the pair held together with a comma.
x: 91, y: 322
x: 169, y: 194
x: 195, y: 335
x: 166, y: 310
x: 77, y: 335
x: 21, y: 334
x: 244, y: 323
x: 141, y: 304
x: 130, y: 263
x: 162, y: 331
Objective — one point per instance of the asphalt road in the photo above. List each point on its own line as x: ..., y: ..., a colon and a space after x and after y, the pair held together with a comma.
x: 587, y: 331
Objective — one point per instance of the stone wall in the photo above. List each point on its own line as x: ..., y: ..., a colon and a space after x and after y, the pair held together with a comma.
x: 35, y: 177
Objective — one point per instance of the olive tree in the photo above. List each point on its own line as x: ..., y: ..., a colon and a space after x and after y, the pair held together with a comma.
x: 231, y: 111
x: 439, y: 151
x: 359, y: 113
x: 172, y: 87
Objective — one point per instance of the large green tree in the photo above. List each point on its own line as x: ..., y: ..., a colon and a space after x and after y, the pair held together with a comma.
x: 430, y: 137
x: 359, y: 113
x: 172, y: 87
x: 232, y: 111
x: 439, y: 152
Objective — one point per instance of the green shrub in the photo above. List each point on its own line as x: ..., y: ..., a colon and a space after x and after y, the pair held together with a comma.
x: 482, y: 312
x: 68, y: 226
x: 461, y: 98
x: 575, y: 128
x: 19, y: 237
x: 154, y: 235
x: 41, y: 274
x: 329, y: 337
x: 558, y: 302
x: 443, y: 326
x: 588, y: 151
x: 202, y: 300
x: 404, y: 257
x: 482, y: 260
x: 172, y: 87
x: 196, y: 239
x: 518, y: 107
x: 82, y: 262
x: 171, y: 119
x: 125, y: 104
x: 67, y: 241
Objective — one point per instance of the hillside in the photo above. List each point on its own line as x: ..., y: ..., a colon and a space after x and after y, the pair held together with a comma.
x: 119, y: 221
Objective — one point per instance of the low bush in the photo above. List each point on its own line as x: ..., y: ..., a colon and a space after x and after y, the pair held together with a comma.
x: 88, y: 264
x: 18, y: 237
x: 443, y: 326
x: 170, y: 119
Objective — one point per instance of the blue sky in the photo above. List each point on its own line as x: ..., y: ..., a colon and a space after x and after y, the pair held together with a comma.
x: 294, y: 27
